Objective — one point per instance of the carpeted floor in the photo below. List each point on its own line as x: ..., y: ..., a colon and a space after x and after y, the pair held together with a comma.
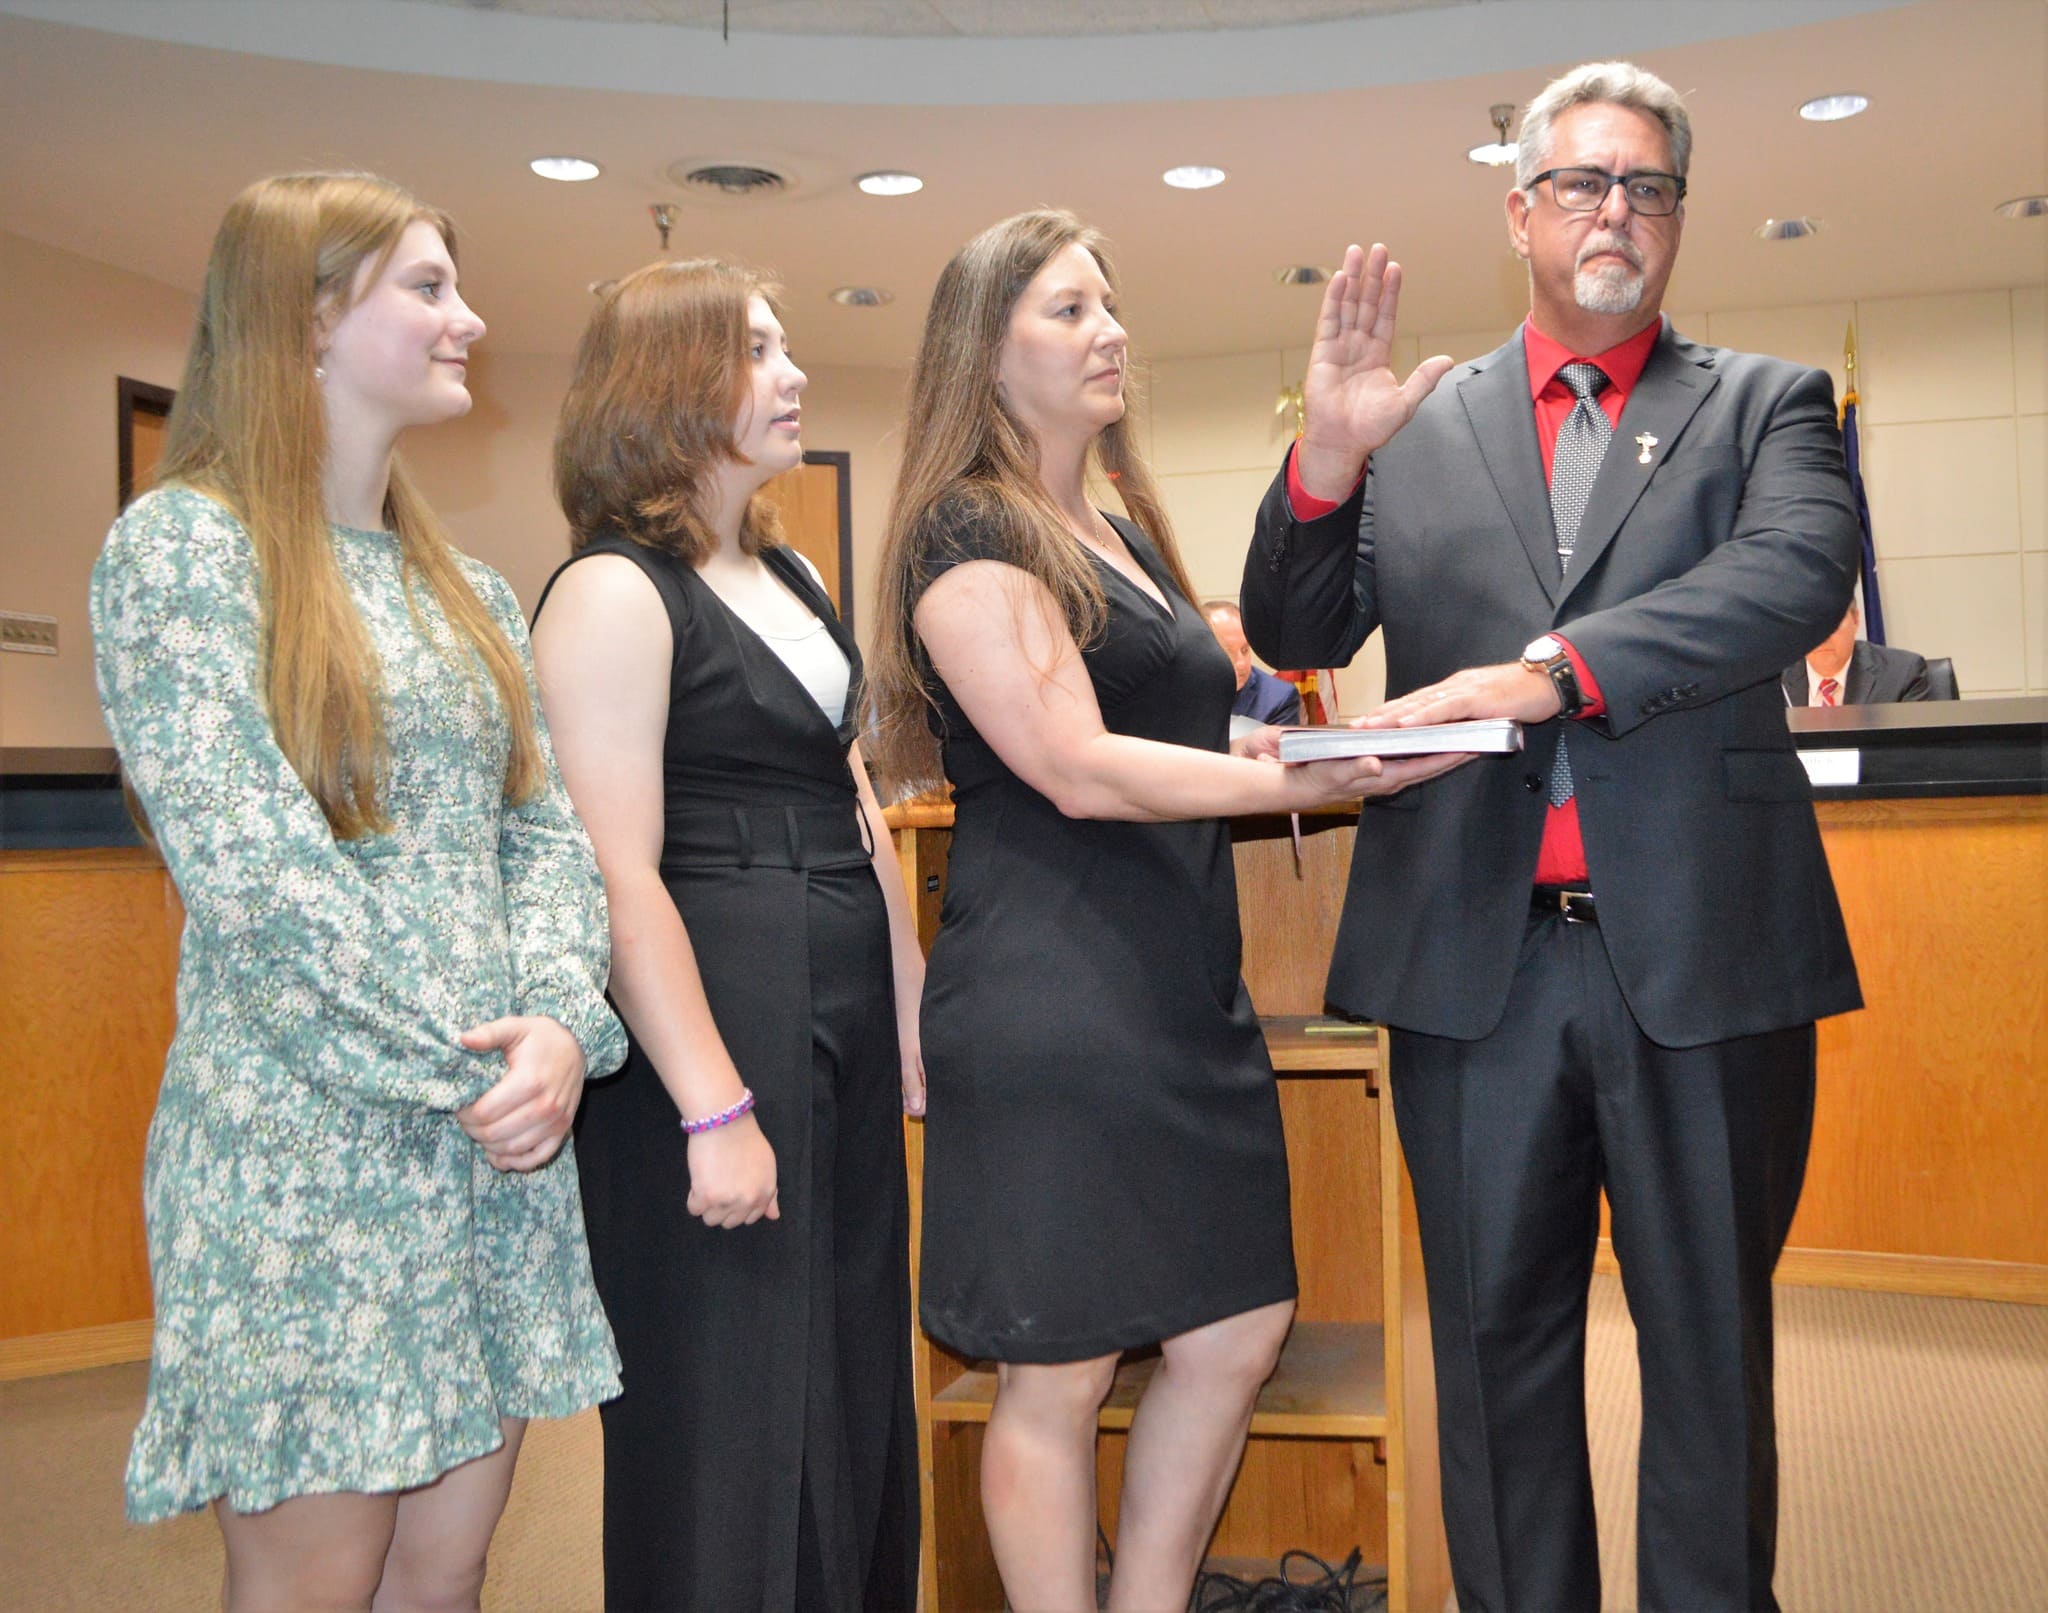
x: 1913, y: 1437
x: 1912, y: 1452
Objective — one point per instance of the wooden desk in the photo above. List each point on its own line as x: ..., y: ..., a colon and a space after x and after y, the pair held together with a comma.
x: 88, y: 963
x: 1929, y: 1170
x: 1930, y: 1141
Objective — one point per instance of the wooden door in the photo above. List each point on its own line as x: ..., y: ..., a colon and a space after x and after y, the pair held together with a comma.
x: 142, y: 419
x: 816, y: 504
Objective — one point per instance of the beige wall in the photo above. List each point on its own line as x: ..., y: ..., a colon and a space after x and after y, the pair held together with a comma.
x: 490, y: 475
x: 1955, y: 440
x: 68, y: 328
x: 1955, y: 391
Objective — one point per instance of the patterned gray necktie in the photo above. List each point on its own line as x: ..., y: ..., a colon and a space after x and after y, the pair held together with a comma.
x: 1574, y: 463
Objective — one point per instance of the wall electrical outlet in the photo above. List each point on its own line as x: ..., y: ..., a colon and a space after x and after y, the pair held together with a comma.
x: 28, y: 635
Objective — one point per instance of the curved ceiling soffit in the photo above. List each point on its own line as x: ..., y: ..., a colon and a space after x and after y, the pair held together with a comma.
x: 1452, y: 41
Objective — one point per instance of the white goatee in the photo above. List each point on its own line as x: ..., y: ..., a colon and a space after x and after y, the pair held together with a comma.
x: 1608, y: 290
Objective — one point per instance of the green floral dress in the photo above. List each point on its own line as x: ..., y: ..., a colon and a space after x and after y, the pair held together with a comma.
x: 348, y: 1297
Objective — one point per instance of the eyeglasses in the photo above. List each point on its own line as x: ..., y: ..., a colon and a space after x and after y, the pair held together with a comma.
x: 1584, y: 190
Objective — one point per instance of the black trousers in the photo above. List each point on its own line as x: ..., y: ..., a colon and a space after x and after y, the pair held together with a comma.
x: 763, y: 1457
x: 1702, y: 1151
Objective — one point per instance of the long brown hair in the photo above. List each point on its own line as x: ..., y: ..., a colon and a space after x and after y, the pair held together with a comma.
x: 250, y: 430
x: 661, y: 375
x: 967, y: 458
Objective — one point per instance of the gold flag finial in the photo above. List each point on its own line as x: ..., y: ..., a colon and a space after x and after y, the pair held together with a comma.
x: 1849, y: 352
x: 1291, y: 399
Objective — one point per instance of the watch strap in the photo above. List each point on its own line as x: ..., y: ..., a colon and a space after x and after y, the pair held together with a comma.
x: 1571, y: 699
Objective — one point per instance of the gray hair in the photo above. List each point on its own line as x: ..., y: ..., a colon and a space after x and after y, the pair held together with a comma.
x: 1607, y: 83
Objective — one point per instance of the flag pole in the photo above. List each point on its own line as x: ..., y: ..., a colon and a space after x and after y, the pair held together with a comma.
x: 1873, y: 607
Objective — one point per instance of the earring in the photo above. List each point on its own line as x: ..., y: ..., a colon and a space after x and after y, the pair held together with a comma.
x: 319, y: 373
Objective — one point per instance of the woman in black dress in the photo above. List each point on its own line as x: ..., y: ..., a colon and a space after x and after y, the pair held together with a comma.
x: 753, y: 1259
x: 1104, y: 1164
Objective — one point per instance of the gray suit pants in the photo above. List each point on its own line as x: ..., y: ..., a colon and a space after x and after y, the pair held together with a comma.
x: 1701, y: 1150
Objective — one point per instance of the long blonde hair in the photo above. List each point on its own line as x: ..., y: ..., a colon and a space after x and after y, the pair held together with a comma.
x: 967, y: 458
x: 661, y: 374
x: 249, y: 429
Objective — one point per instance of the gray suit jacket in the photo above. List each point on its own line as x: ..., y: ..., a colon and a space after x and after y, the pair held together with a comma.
x: 1877, y: 675
x: 1705, y: 562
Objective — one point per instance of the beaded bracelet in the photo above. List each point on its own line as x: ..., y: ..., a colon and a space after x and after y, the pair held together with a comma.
x: 724, y: 1117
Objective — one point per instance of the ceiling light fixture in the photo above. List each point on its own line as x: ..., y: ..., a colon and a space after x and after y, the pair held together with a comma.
x: 1787, y: 229
x: 890, y: 182
x: 861, y: 296
x: 1194, y: 176
x: 1499, y: 151
x: 1833, y: 108
x: 569, y: 170
x: 1301, y: 274
x: 2023, y: 207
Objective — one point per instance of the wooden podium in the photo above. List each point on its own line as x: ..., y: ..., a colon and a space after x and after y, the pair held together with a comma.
x: 1343, y: 1439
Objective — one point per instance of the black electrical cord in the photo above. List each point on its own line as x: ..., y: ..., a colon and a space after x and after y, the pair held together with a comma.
x: 1319, y: 1589
x: 1330, y: 1590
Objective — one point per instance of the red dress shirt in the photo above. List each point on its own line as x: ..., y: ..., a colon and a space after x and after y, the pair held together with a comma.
x: 1562, y: 859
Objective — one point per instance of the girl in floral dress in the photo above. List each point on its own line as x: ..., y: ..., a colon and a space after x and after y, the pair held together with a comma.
x: 365, y: 1237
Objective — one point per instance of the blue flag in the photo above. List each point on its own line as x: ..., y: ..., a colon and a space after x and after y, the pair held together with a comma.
x: 1873, y: 610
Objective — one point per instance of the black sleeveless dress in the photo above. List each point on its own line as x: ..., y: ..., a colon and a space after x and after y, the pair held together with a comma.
x: 762, y: 1458
x: 1104, y: 1164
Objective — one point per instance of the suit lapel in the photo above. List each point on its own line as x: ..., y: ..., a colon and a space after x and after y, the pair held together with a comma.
x: 1496, y: 400
x: 1861, y: 678
x: 1674, y: 383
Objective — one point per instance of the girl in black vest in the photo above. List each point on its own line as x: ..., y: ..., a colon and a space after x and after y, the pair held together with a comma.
x: 743, y: 1178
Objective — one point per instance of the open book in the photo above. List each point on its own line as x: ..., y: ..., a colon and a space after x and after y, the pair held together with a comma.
x: 1491, y: 735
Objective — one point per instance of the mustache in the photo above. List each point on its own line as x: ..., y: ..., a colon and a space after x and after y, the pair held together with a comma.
x: 1618, y: 244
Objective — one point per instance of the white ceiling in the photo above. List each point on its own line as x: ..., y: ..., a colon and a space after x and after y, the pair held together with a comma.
x: 124, y: 147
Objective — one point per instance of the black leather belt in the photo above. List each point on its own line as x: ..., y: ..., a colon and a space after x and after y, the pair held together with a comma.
x: 1559, y: 901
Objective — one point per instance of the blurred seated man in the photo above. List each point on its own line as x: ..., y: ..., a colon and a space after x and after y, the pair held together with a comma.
x: 1845, y: 670
x: 1260, y: 696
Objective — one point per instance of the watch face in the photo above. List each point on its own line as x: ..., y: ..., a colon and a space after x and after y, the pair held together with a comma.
x: 1542, y: 649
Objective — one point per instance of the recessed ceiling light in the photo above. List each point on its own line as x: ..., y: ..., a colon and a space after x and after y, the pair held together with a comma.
x: 1833, y: 108
x: 890, y: 182
x: 861, y: 296
x: 1787, y: 229
x: 1193, y: 176
x: 567, y: 169
x: 2023, y: 207
x: 1301, y: 274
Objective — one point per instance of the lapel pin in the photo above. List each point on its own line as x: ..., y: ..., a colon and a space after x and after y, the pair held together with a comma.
x: 1645, y: 442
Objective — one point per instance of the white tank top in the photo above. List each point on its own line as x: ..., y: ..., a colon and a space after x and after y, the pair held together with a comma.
x: 812, y: 656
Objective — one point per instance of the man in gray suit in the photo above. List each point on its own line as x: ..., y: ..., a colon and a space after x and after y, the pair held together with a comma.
x: 1845, y: 670
x: 1603, y: 957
